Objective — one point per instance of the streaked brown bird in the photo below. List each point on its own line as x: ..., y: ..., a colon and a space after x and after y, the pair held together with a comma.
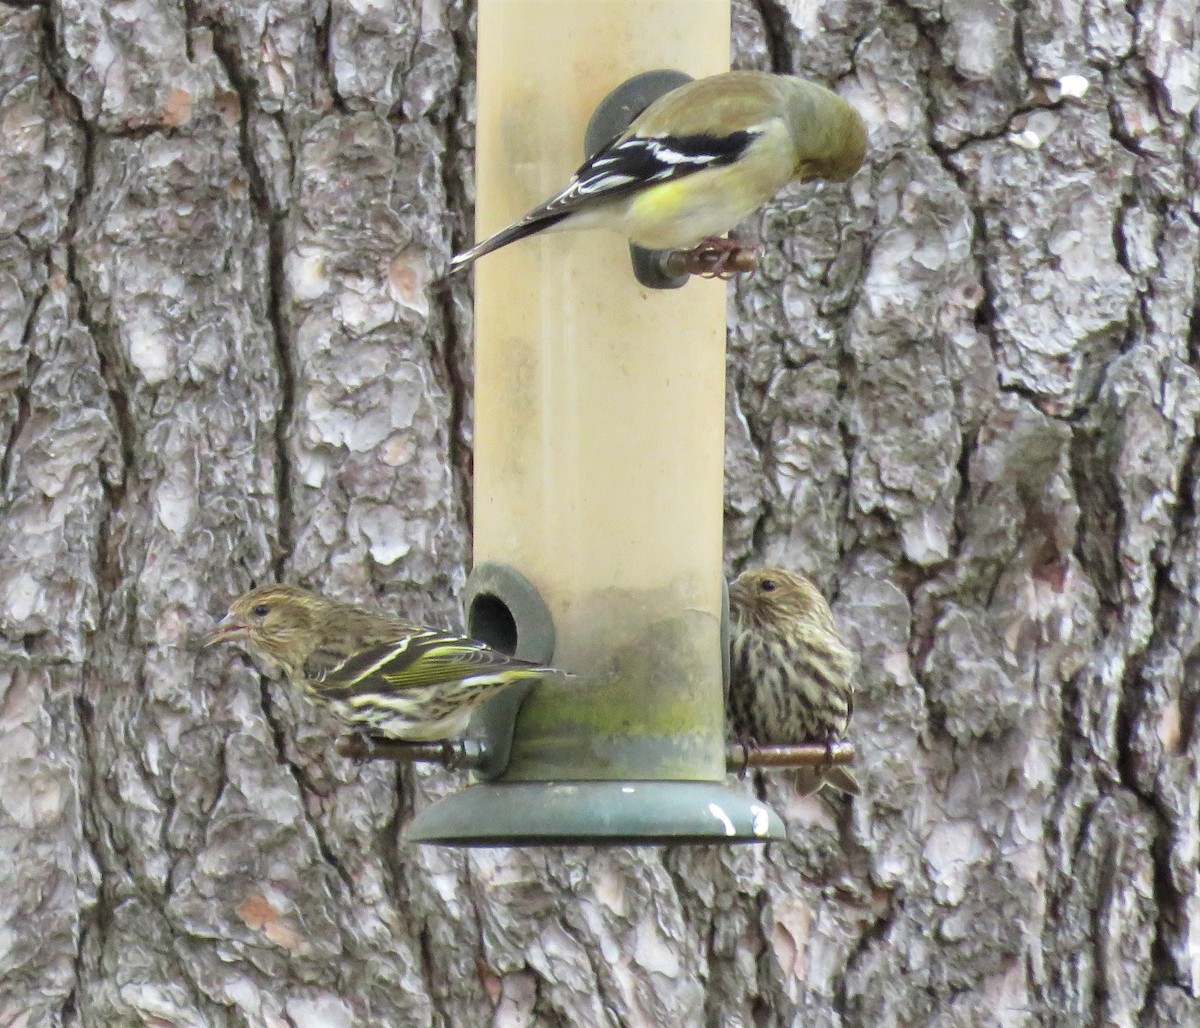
x: 380, y: 674
x: 791, y: 676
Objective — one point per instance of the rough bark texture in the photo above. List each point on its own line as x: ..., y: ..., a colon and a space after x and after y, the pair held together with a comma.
x: 963, y: 396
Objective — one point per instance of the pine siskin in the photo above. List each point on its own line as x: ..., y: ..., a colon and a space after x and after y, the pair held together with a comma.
x: 790, y: 672
x: 378, y: 673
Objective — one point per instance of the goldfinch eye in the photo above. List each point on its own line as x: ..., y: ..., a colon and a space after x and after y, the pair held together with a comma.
x: 261, y: 611
x: 767, y: 585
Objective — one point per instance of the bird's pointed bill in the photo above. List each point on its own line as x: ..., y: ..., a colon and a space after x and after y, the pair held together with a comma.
x: 227, y: 629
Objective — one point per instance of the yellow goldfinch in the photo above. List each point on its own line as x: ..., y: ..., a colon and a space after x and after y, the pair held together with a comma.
x: 701, y: 159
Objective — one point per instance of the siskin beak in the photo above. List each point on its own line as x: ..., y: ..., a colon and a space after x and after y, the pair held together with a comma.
x: 226, y: 630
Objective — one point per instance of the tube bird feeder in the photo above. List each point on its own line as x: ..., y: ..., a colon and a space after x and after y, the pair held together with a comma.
x: 599, y: 438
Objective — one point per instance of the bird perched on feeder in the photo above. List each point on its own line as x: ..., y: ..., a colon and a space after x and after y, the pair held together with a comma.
x: 380, y: 674
x: 699, y: 160
x: 790, y: 673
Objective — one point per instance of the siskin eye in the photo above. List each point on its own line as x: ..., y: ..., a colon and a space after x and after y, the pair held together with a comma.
x: 261, y: 611
x: 767, y: 585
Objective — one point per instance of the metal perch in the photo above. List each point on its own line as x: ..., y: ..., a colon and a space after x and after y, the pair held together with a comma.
x: 713, y: 262
x: 464, y: 753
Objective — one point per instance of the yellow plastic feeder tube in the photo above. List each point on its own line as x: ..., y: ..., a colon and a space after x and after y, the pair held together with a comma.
x: 599, y: 443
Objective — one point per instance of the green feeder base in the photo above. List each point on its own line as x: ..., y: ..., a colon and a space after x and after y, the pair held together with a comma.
x: 595, y: 813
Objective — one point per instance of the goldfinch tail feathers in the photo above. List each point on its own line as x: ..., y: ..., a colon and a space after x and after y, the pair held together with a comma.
x: 531, y: 224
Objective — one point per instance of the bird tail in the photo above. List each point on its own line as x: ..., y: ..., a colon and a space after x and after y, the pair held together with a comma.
x: 811, y: 779
x: 529, y: 225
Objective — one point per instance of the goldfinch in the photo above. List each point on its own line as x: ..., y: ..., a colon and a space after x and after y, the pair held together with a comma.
x: 380, y: 674
x: 701, y: 159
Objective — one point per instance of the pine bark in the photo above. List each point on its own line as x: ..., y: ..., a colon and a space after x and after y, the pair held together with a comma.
x: 963, y: 397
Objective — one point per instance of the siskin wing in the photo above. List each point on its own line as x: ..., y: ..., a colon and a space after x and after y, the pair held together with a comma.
x: 419, y: 660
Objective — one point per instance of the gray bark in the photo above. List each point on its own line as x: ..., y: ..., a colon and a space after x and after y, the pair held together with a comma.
x: 963, y: 396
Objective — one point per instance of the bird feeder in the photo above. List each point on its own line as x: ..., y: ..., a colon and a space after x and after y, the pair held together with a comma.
x: 599, y: 442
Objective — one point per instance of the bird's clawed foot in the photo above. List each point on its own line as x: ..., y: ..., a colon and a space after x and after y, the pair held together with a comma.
x: 717, y: 257
x: 747, y: 743
x: 451, y: 754
x: 357, y: 746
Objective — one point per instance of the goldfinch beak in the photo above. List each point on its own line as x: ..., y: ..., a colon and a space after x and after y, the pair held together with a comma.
x: 226, y: 630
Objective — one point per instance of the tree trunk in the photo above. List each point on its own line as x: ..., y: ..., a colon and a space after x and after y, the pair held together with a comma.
x: 963, y: 396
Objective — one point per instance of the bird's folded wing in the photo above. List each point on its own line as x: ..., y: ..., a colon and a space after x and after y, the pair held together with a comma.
x: 626, y: 165
x: 422, y: 659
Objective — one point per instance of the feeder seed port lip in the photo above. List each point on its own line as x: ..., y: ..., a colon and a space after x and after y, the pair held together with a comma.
x: 464, y: 753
